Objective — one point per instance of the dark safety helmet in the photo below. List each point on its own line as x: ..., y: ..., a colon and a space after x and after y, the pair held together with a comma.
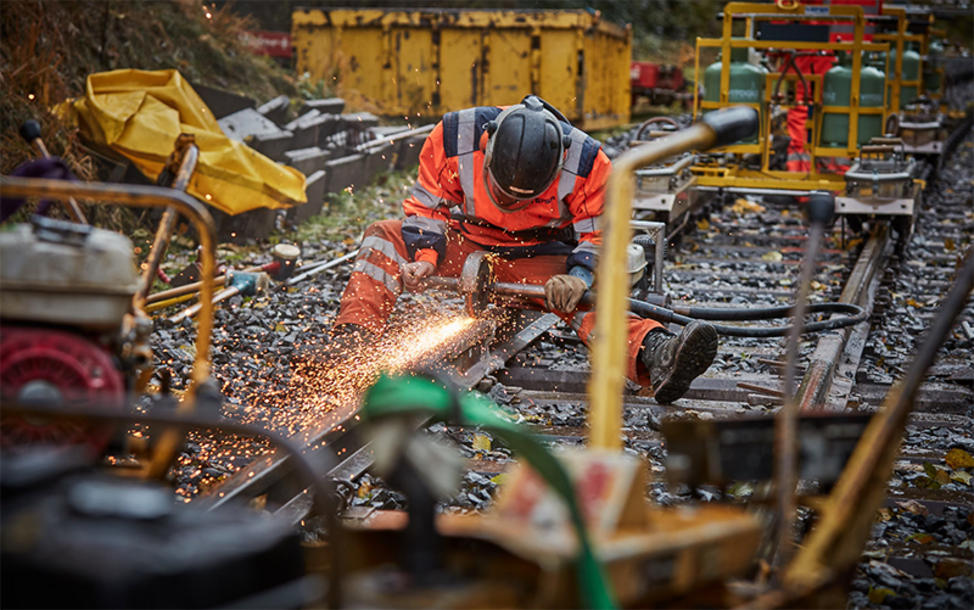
x: 525, y: 151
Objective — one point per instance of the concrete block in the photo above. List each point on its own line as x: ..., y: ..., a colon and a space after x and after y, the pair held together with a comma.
x: 239, y: 229
x: 247, y: 123
x: 315, y: 191
x: 307, y: 160
x: 409, y: 149
x: 307, y: 127
x: 346, y: 172
x: 273, y: 146
x: 361, y: 120
x: 331, y: 105
x: 276, y: 109
x: 222, y: 103
x: 377, y: 160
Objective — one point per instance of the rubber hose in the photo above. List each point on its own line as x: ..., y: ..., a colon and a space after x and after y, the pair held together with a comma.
x: 661, y: 314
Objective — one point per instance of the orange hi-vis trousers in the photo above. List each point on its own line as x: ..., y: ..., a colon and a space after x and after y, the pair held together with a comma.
x: 376, y: 284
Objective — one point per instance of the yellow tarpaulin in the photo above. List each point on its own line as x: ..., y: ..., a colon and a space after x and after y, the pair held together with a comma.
x: 140, y: 114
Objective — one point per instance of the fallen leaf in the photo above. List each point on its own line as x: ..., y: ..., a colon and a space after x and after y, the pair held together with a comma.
x: 958, y: 458
x: 481, y: 442
x: 877, y: 595
x: 961, y: 477
x: 743, y: 206
x: 816, y: 285
x: 499, y: 479
x: 741, y: 489
x: 364, y: 490
x: 943, y: 477
x: 773, y: 257
x: 950, y: 567
x: 949, y: 244
x: 280, y: 328
x: 921, y: 538
x: 912, y: 506
x: 703, y: 224
x: 885, y: 514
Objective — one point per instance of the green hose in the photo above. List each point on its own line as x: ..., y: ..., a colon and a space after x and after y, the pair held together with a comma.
x: 416, y: 395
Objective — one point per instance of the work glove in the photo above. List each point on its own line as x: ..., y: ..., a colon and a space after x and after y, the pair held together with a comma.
x: 563, y: 292
x: 414, y: 275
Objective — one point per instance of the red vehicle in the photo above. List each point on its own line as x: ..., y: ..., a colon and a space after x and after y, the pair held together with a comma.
x: 660, y: 83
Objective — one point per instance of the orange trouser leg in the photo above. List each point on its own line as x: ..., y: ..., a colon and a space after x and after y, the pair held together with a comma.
x: 798, y: 158
x: 537, y: 270
x: 376, y: 281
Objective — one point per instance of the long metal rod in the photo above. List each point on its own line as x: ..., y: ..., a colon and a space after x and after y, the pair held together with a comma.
x: 609, y: 352
x: 786, y: 424
x: 161, y: 242
x: 836, y: 544
x: 324, y: 266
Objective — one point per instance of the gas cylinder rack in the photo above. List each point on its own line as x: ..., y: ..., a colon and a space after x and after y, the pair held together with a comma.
x: 746, y: 167
x: 915, y: 84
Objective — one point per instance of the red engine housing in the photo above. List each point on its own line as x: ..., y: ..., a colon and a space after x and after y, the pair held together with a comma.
x: 55, y: 363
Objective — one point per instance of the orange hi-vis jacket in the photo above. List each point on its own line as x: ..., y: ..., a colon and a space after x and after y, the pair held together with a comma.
x: 450, y: 192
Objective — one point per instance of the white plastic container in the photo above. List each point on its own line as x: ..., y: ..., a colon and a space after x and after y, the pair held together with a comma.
x: 66, y: 274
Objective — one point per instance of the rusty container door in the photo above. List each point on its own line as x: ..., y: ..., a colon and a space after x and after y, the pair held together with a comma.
x: 429, y: 62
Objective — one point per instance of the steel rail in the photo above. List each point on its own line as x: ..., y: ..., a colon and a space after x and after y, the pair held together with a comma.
x: 817, y: 380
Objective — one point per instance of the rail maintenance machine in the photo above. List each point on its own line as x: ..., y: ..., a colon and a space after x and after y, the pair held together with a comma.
x: 837, y: 114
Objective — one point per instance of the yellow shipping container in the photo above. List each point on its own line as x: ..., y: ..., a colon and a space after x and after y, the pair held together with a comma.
x: 409, y: 62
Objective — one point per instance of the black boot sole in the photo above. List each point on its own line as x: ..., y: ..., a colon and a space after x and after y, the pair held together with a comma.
x: 694, y: 355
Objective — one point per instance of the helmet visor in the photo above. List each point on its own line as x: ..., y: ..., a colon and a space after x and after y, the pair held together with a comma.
x: 506, y: 201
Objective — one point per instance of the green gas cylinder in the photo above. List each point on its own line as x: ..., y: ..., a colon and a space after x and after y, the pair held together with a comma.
x: 910, y: 71
x: 837, y: 91
x: 746, y: 82
x: 931, y: 78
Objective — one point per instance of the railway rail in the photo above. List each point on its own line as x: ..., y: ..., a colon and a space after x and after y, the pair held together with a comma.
x: 743, y: 251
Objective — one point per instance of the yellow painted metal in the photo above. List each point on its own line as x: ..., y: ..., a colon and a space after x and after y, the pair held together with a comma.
x: 402, y: 62
x: 734, y: 176
x: 894, y: 76
x: 609, y: 353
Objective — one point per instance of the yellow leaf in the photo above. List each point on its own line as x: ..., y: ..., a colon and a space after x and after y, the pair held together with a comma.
x: 364, y: 491
x: 499, y: 479
x: 773, y: 257
x: 958, y: 458
x: 943, y: 477
x: 743, y: 206
x: 280, y: 328
x: 949, y: 244
x: 878, y: 595
x: 816, y: 285
x: 703, y: 224
x: 481, y: 442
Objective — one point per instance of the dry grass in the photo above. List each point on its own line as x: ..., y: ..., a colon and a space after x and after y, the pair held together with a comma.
x: 48, y: 49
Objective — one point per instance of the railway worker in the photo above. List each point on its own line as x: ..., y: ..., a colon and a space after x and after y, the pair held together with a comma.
x: 523, y: 183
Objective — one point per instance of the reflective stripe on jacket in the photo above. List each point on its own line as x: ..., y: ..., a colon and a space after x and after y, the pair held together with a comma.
x: 451, y: 176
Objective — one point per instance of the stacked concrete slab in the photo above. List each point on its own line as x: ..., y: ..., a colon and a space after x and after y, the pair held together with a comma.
x: 331, y: 148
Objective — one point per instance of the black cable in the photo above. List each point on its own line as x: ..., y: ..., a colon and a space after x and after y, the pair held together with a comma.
x: 855, y: 315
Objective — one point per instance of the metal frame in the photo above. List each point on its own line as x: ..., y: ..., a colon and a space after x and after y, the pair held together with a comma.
x: 709, y: 175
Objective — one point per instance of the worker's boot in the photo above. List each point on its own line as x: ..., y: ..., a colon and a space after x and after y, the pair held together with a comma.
x: 674, y: 361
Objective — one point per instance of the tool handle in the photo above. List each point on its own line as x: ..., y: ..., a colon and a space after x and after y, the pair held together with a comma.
x: 732, y: 124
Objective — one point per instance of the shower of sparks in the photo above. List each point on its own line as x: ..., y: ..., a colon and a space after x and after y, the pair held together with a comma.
x: 325, y: 385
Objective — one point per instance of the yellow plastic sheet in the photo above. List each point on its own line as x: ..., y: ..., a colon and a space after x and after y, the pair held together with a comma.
x: 140, y: 114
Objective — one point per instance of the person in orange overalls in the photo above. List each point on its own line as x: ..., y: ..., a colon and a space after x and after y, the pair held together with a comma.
x: 520, y: 182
